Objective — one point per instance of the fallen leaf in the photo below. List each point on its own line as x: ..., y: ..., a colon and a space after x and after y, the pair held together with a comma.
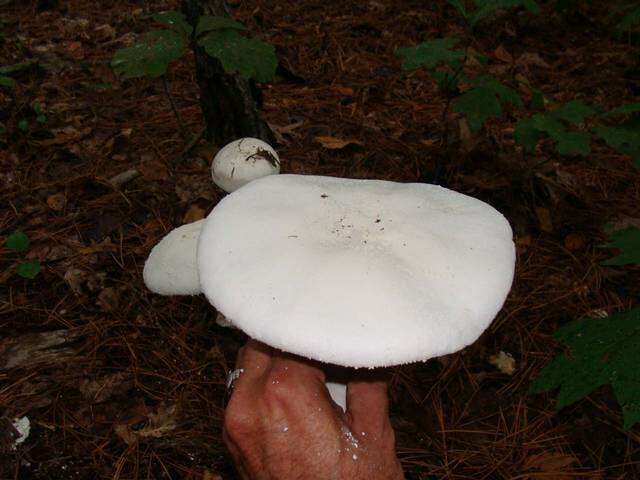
x: 65, y: 135
x: 154, y: 170
x: 346, y: 91
x: 195, y: 213
x: 504, y: 362
x: 101, y: 389
x: 158, y: 424
x: 574, y: 242
x: 57, y: 202
x: 333, y: 143
x: 501, y: 54
x: 530, y: 58
x: 75, y: 278
x: 544, y: 219
x: 108, y: 299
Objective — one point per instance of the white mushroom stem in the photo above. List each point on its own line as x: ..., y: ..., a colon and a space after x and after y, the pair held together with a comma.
x: 338, y: 392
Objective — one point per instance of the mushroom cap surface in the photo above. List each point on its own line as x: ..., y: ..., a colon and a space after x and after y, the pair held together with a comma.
x: 171, y: 267
x: 360, y: 273
x: 242, y: 161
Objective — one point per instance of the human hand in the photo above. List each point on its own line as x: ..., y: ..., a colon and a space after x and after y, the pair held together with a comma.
x: 281, y: 424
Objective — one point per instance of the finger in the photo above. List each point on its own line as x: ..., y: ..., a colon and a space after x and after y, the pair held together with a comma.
x: 368, y: 406
x: 252, y: 365
x: 292, y: 368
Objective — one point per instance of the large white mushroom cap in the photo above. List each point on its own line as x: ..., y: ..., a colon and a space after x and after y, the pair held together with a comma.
x: 242, y: 161
x: 360, y: 273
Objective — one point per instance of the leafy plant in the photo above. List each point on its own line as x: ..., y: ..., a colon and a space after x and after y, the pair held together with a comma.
x: 219, y: 36
x: 600, y: 352
x: 566, y: 125
x: 628, y: 17
x: 628, y: 242
x: 487, y: 8
x: 19, y: 242
x: 485, y: 97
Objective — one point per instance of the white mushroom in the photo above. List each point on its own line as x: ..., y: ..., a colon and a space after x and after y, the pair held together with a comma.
x: 171, y: 267
x: 242, y: 161
x: 357, y: 273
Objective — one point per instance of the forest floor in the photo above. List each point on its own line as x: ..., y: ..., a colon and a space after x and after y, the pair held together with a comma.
x: 119, y: 383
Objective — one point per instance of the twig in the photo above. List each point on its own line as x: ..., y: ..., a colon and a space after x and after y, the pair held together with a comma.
x: 183, y: 130
x: 191, y: 144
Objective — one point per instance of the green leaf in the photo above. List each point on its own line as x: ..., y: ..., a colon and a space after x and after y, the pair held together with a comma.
x: 7, y: 82
x: 486, y: 8
x: 28, y: 270
x: 600, y: 352
x: 23, y: 125
x: 628, y: 242
x: 478, y: 104
x: 430, y: 54
x: 18, y: 241
x: 505, y: 94
x: 459, y: 5
x: 574, y: 112
x: 174, y: 20
x: 629, y: 21
x: 17, y: 67
x: 574, y: 143
x: 623, y: 138
x: 249, y: 57
x: 537, y: 100
x: 527, y: 135
x: 207, y: 23
x: 151, y: 57
x: 625, y: 109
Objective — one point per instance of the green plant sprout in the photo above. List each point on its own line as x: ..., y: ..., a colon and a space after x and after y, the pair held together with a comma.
x: 19, y: 242
x: 487, y: 8
x: 220, y: 37
x: 627, y: 241
x: 600, y: 352
x: 484, y: 96
x: 567, y: 127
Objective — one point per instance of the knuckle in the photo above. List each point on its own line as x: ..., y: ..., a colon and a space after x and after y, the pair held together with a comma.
x: 238, y: 422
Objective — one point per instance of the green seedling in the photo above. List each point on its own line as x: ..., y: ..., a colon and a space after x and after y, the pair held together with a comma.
x: 599, y: 352
x: 485, y: 96
x: 220, y: 37
x: 484, y: 9
x: 19, y: 242
x: 567, y: 127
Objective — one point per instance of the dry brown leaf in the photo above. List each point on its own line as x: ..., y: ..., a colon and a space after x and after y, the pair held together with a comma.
x: 153, y: 169
x: 333, y: 143
x: 165, y: 420
x: 195, y: 213
x: 57, y: 202
x: 108, y: 299
x: 346, y: 91
x: 544, y: 219
x: 101, y: 389
x: 75, y: 278
x: 504, y: 362
x: 65, y: 135
x: 501, y: 54
x: 530, y: 58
